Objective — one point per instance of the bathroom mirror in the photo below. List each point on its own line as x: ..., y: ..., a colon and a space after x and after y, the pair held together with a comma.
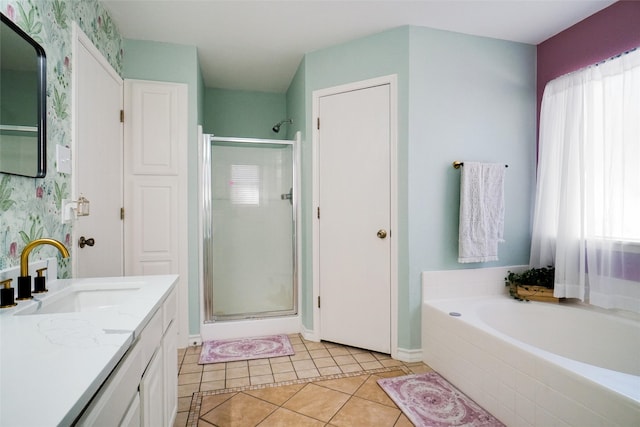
x: 22, y: 103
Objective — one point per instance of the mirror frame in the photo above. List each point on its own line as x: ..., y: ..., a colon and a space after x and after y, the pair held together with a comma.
x: 41, y: 167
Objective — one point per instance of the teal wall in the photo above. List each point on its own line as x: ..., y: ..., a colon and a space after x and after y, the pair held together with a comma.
x: 167, y: 62
x: 295, y: 102
x: 471, y: 98
x: 459, y: 97
x: 378, y: 55
x: 296, y: 97
x: 244, y: 114
x: 200, y: 90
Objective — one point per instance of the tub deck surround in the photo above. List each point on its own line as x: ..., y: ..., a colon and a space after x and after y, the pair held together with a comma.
x: 466, y: 282
x: 610, y: 349
x: 515, y: 358
x: 52, y: 364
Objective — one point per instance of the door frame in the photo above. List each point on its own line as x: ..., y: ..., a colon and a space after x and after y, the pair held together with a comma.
x: 392, y: 81
x: 78, y: 37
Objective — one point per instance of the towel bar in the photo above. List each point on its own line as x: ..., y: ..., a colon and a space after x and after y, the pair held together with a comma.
x: 457, y: 164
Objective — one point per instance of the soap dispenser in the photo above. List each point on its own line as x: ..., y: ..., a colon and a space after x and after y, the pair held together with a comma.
x: 39, y: 282
x: 7, y: 296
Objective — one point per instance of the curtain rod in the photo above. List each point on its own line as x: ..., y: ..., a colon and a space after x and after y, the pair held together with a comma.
x: 457, y: 165
x: 626, y: 52
x: 597, y: 64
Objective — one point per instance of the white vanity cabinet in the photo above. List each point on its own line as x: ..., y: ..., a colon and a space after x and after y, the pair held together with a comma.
x: 152, y: 393
x: 142, y: 389
x: 132, y: 416
x: 170, y: 367
x: 159, y: 385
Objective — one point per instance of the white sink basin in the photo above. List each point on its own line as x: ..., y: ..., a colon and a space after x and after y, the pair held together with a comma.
x: 77, y: 298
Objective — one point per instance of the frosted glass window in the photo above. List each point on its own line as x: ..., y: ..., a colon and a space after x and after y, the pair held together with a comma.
x: 245, y: 185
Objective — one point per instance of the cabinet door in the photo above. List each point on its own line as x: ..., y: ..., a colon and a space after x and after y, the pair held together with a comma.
x: 132, y: 417
x: 152, y: 393
x: 111, y: 402
x: 170, y: 356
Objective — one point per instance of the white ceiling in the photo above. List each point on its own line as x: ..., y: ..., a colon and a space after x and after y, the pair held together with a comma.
x: 258, y: 45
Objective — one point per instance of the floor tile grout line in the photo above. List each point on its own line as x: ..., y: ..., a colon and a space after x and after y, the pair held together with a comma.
x: 272, y: 373
x: 351, y: 395
x: 405, y: 367
x: 317, y: 419
x: 197, y: 403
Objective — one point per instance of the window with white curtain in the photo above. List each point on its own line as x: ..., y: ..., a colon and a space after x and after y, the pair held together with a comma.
x: 587, y: 205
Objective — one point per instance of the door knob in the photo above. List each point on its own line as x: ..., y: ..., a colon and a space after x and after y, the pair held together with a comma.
x: 82, y: 242
x: 382, y: 233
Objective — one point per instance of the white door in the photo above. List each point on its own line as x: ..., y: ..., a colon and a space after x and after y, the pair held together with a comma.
x: 97, y: 168
x: 155, y: 187
x: 354, y: 218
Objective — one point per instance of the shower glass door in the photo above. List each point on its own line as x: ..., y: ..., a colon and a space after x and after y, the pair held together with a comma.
x: 251, y: 244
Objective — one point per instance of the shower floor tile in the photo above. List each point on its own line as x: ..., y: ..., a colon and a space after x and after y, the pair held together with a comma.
x: 352, y: 400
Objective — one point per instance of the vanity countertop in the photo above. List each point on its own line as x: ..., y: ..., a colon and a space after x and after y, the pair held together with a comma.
x: 51, y: 365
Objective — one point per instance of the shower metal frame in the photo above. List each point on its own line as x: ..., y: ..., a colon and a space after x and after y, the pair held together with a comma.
x: 207, y: 226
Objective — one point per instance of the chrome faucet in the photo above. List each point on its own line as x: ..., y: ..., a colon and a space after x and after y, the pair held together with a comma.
x: 24, y: 281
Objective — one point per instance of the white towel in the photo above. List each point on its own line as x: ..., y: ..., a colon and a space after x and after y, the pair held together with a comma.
x: 481, y: 212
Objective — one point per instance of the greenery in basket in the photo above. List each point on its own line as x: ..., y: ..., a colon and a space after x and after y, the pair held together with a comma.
x: 532, y: 277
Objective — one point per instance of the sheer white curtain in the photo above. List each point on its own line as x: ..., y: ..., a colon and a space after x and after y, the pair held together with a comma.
x: 587, y: 205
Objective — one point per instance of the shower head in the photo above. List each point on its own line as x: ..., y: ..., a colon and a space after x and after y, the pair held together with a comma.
x: 276, y: 127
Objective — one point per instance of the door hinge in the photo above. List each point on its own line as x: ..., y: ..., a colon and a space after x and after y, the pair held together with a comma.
x: 318, y: 125
x: 318, y: 301
x: 318, y: 212
x: 122, y: 213
x: 121, y: 116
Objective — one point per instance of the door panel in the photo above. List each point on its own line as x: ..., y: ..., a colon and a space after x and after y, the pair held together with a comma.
x: 151, y: 248
x: 154, y: 133
x: 354, y: 194
x: 98, y: 163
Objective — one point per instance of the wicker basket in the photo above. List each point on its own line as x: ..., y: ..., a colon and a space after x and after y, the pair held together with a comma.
x: 536, y: 293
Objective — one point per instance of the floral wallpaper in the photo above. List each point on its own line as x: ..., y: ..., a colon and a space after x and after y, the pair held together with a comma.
x: 30, y: 207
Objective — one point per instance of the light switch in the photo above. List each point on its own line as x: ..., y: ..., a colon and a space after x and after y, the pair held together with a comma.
x: 63, y: 159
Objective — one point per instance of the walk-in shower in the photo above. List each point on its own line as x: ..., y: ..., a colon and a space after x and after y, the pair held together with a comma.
x: 249, y: 252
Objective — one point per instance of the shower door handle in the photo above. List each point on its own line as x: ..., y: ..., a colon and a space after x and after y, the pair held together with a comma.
x: 287, y: 196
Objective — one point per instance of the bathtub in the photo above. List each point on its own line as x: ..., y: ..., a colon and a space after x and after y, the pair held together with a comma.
x: 536, y: 364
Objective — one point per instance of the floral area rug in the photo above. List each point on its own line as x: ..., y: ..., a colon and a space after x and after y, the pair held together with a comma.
x: 429, y: 400
x: 231, y: 350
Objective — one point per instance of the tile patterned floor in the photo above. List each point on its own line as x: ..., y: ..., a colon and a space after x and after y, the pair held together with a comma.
x: 323, y: 384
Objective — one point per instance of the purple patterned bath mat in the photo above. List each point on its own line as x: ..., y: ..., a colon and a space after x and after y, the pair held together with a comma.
x: 217, y: 351
x: 429, y: 400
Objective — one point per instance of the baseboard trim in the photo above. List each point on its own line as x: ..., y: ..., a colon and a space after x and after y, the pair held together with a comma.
x: 195, y: 340
x: 409, y: 356
x: 309, y: 334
